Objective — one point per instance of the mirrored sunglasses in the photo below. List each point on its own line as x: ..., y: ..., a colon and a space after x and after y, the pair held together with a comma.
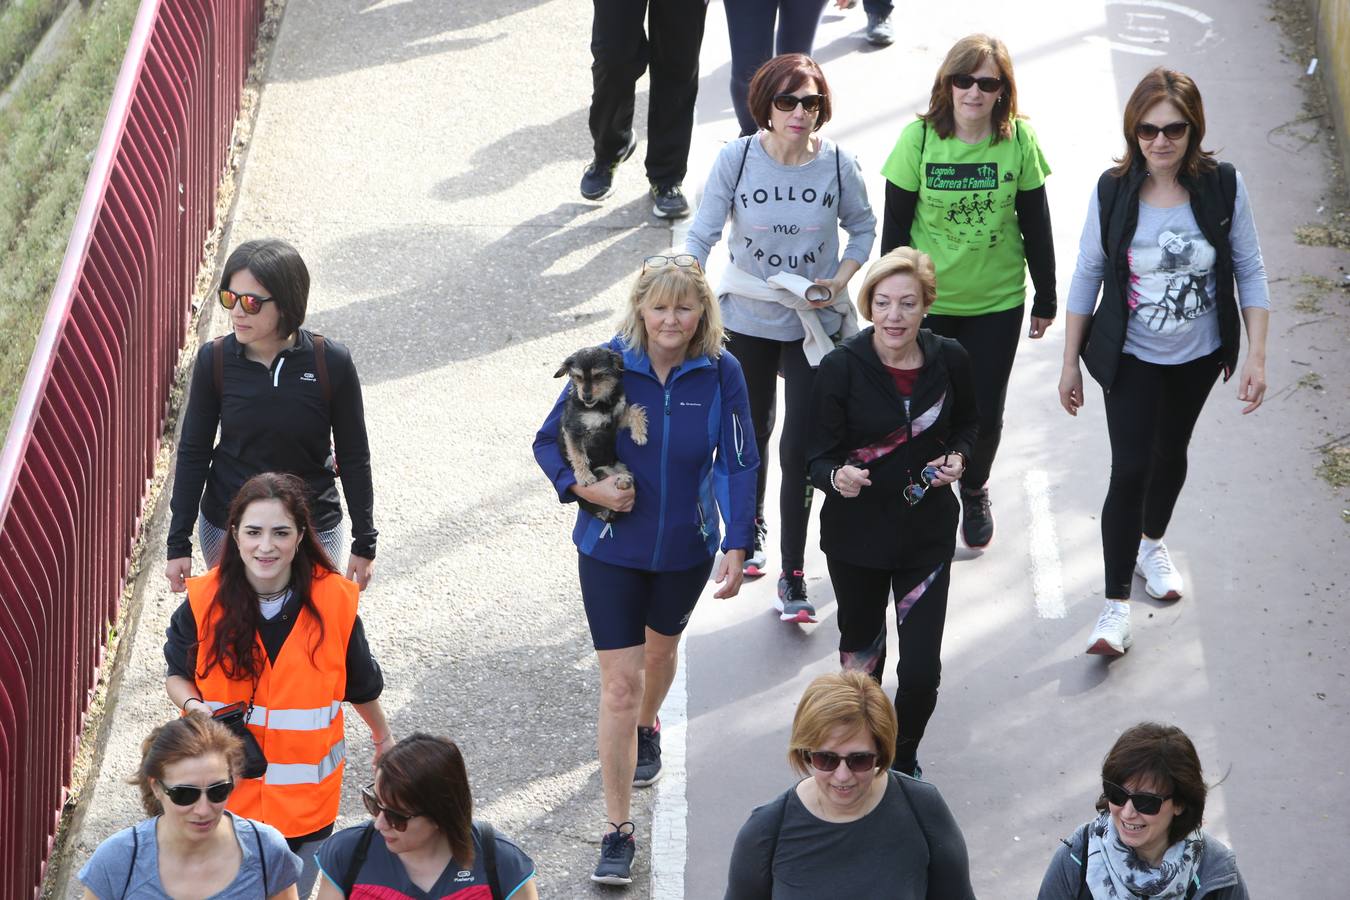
x: 914, y: 492
x: 252, y: 303
x: 187, y: 794
x: 987, y: 85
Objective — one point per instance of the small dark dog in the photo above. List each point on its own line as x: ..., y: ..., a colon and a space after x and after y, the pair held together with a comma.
x: 593, y: 413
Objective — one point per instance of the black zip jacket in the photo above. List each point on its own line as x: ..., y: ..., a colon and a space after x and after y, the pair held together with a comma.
x: 855, y: 404
x: 273, y: 420
x: 1213, y: 194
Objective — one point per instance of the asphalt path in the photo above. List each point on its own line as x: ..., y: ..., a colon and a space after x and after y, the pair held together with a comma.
x: 424, y: 157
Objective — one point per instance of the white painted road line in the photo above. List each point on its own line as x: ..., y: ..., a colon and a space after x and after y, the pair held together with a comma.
x: 670, y: 808
x: 1046, y: 579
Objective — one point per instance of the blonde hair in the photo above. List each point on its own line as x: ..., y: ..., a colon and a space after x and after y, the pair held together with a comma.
x: 670, y: 284
x: 900, y: 261
x: 849, y: 700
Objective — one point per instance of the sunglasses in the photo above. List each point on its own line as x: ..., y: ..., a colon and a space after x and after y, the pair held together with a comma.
x: 1144, y: 804
x: 1174, y: 131
x: 187, y: 794
x: 683, y: 260
x: 987, y: 85
x: 825, y: 761
x: 811, y: 103
x: 252, y: 303
x: 914, y: 492
x: 397, y: 820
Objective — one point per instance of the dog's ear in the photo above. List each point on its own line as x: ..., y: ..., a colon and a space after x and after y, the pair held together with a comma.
x: 617, y: 358
x: 567, y: 364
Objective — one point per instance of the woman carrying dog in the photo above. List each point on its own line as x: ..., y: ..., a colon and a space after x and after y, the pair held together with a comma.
x: 784, y: 297
x: 274, y: 629
x: 284, y: 400
x: 642, y: 574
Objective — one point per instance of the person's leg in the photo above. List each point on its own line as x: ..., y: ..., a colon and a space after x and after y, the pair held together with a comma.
x: 672, y: 598
x: 619, y: 57
x: 1132, y: 407
x: 675, y: 31
x: 797, y: 21
x: 621, y: 686
x: 334, y: 543
x: 1185, y: 388
x: 861, y: 596
x: 212, y: 539
x: 795, y: 491
x: 308, y: 852
x: 921, y: 616
x: 759, y: 363
x: 882, y: 8
x: 750, y: 27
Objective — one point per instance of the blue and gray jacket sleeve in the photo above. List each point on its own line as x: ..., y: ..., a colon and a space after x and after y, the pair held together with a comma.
x: 737, y: 461
x: 549, y: 455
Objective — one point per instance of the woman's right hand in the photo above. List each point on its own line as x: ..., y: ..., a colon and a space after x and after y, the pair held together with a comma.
x: 1071, y: 388
x: 608, y: 494
x: 178, y: 571
x: 850, y: 480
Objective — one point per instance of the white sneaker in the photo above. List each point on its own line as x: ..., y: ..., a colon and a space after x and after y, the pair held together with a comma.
x: 1161, y: 579
x: 1111, y: 637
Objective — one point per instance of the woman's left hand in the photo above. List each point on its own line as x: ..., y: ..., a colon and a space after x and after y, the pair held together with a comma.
x: 381, y: 747
x: 1252, y: 386
x: 950, y: 466
x: 834, y: 286
x: 731, y: 570
x: 360, y: 570
x: 1039, y: 327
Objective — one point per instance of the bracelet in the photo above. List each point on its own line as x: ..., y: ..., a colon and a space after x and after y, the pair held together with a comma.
x: 190, y: 699
x: 834, y: 472
x: 383, y: 740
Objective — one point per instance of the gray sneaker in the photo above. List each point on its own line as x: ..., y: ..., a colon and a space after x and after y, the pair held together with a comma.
x: 648, y: 769
x: 791, y: 602
x: 616, y: 856
x: 880, y: 32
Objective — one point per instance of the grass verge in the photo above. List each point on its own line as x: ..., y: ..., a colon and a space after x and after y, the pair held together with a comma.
x: 22, y: 24
x: 48, y: 133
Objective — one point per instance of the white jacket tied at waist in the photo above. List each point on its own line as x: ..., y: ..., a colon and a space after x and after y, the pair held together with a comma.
x: 792, y: 291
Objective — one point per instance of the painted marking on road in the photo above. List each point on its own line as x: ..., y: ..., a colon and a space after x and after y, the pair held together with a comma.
x: 1047, y: 581
x: 670, y: 809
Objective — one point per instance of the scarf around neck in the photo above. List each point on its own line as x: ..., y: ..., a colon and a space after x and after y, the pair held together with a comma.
x: 1114, y: 872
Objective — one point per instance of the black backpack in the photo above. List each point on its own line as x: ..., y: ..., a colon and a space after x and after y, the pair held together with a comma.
x: 487, y: 836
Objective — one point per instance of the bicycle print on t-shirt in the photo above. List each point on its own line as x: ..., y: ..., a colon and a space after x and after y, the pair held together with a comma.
x: 1169, y: 280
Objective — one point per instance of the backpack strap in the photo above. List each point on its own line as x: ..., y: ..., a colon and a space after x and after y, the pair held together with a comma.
x: 487, y: 836
x: 778, y: 823
x: 1106, y: 205
x: 745, y: 154
x: 218, y: 364
x: 321, y: 364
x: 839, y: 177
x: 1082, y: 863
x: 131, y: 869
x: 358, y: 860
x: 262, y: 856
x: 912, y: 808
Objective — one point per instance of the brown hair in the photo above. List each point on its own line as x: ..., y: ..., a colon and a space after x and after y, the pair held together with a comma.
x: 784, y: 74
x: 900, y: 261
x: 425, y: 775
x: 846, y: 699
x: 670, y: 283
x: 194, y: 735
x: 1162, y: 757
x: 235, y: 646
x: 1177, y: 88
x: 967, y: 55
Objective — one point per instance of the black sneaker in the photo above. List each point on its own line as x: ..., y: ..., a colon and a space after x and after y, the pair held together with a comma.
x: 648, y: 756
x: 669, y: 202
x: 616, y: 856
x: 598, y: 180
x: 977, y: 521
x: 791, y: 603
x: 754, y: 563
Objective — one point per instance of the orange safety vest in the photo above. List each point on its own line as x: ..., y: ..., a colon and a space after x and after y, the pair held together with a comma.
x: 297, y: 708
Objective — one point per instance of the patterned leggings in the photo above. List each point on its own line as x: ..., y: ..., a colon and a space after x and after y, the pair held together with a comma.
x: 920, y: 615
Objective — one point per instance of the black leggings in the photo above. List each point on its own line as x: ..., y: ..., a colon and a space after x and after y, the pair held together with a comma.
x: 920, y: 615
x: 1151, y: 411
x: 761, y: 359
x: 991, y: 340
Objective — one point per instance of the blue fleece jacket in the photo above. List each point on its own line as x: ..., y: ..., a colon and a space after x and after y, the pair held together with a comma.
x: 698, y: 464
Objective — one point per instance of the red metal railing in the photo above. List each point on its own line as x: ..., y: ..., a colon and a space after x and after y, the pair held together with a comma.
x: 81, y: 449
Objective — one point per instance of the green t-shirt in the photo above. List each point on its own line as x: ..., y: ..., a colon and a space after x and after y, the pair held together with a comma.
x: 965, y: 218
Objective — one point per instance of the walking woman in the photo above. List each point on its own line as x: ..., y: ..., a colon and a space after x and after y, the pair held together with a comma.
x: 189, y: 846
x: 642, y: 574
x: 1146, y: 840
x: 273, y: 629
x: 1168, y: 230
x: 284, y: 400
x: 966, y: 185
x: 784, y: 297
x: 422, y: 840
x: 894, y: 421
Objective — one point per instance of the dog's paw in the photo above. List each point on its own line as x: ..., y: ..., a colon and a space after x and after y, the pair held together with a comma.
x: 637, y: 424
x: 623, y: 481
x: 585, y: 477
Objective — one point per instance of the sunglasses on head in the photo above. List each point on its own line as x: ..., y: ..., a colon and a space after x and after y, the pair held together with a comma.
x: 187, y: 794
x: 1144, y: 804
x: 1174, y: 130
x: 683, y: 260
x: 826, y: 761
x: 252, y: 303
x: 397, y: 820
x: 811, y: 103
x: 987, y: 85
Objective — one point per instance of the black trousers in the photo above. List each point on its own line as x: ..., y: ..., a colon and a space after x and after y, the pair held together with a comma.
x: 762, y: 359
x: 920, y: 615
x: 1151, y: 411
x: 758, y: 31
x: 621, y: 51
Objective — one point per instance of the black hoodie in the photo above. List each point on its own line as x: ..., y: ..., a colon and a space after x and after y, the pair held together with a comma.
x: 855, y: 404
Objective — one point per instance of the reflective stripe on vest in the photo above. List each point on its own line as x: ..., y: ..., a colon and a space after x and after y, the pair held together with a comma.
x: 289, y: 719
x: 300, y: 773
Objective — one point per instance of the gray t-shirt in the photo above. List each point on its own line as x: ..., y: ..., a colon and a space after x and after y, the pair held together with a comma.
x: 908, y: 848
x: 783, y: 219
x: 1173, y: 291
x: 106, y: 872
